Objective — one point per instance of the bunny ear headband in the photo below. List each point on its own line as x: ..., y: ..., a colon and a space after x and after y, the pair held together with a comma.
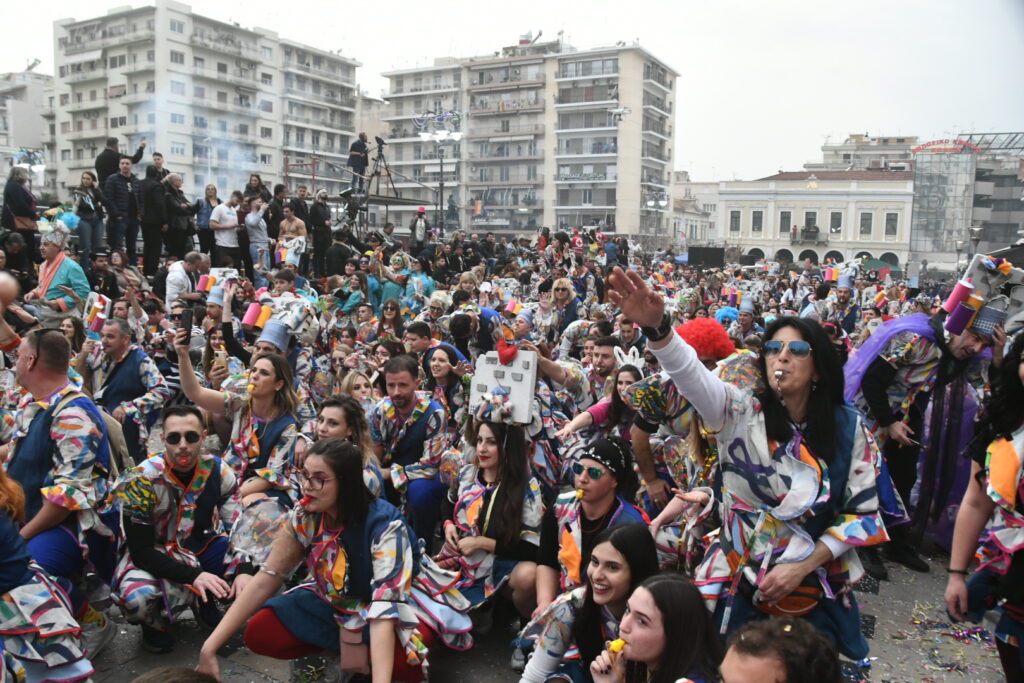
x: 632, y: 357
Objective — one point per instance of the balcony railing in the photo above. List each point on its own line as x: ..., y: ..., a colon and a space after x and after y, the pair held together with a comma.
x: 594, y: 148
x: 581, y: 99
x: 223, y: 43
x: 336, y: 100
x: 812, y: 235
x: 96, y: 42
x: 90, y: 75
x: 327, y: 74
x: 587, y: 177
x: 508, y: 82
x: 235, y: 76
x: 494, y: 131
x: 506, y: 106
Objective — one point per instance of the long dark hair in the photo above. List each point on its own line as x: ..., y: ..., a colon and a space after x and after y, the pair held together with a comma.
x: 399, y: 328
x: 619, y: 410
x: 825, y: 397
x: 452, y: 383
x: 513, y: 474
x: 1003, y: 413
x: 346, y: 463
x: 635, y: 543
x: 692, y: 647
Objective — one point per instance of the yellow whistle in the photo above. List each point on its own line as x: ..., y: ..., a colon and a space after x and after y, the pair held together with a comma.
x: 616, y: 645
x: 579, y: 494
x: 251, y: 387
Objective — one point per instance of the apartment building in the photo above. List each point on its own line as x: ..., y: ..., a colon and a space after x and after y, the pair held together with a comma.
x: 22, y: 128
x: 861, y: 151
x: 822, y: 216
x: 218, y: 100
x: 547, y: 135
x: 694, y: 211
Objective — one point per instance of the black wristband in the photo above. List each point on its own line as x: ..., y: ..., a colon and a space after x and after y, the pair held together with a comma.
x: 661, y: 331
x: 962, y: 572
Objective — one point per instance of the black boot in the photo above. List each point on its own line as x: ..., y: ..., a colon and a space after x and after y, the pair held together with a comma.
x: 907, y: 556
x: 872, y: 561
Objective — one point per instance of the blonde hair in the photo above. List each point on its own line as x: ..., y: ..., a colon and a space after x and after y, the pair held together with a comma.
x: 469, y: 276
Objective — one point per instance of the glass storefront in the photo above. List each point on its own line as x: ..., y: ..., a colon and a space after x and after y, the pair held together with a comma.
x: 943, y: 197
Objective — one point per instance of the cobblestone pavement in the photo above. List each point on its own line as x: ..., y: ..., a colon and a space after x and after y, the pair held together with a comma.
x: 910, y: 636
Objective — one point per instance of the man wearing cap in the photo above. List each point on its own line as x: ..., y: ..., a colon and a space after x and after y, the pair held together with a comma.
x: 843, y: 311
x: 419, y: 230
x: 907, y: 364
x: 744, y: 325
x: 101, y: 279
x: 126, y: 383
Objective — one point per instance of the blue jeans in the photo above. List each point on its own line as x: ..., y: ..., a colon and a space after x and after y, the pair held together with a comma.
x: 424, y: 502
x: 56, y: 550
x: 90, y: 239
x: 254, y: 249
x: 123, y: 235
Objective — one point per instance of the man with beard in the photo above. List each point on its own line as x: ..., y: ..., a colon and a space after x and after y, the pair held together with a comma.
x: 843, y: 311
x: 408, y: 431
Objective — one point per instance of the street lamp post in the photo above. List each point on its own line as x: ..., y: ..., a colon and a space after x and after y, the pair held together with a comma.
x: 959, y: 244
x: 440, y: 138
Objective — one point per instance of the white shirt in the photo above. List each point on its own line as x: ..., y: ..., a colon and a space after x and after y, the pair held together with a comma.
x: 225, y: 215
x: 178, y: 283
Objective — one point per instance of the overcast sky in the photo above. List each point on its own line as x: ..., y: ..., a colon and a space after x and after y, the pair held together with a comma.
x: 762, y: 84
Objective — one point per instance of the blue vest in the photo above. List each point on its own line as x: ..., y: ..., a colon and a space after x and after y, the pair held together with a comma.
x: 205, y: 505
x: 358, y: 539
x: 489, y: 319
x: 410, y: 448
x: 271, y: 435
x: 32, y: 463
x: 126, y: 385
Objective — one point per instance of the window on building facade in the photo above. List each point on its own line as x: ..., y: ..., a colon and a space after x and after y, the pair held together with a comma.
x: 266, y: 159
x: 222, y: 97
x: 199, y: 122
x: 177, y: 57
x: 266, y: 133
x: 266, y: 105
x: 64, y: 99
x: 177, y: 88
x: 266, y: 79
x: 151, y: 117
x: 65, y: 154
x: 835, y: 222
x: 116, y: 61
x: 178, y: 119
x: 65, y: 126
x: 178, y: 148
x: 222, y: 68
x: 151, y: 56
x: 865, y: 223
x: 810, y: 219
x: 199, y: 92
x: 198, y: 62
x: 734, y: 221
x: 587, y: 197
x: 757, y: 221
x: 243, y: 129
x: 266, y: 52
x: 891, y: 224
x: 177, y: 26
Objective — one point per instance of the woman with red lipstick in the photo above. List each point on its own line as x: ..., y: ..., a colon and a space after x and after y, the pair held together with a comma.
x: 494, y: 527
x: 572, y: 631
x: 360, y: 554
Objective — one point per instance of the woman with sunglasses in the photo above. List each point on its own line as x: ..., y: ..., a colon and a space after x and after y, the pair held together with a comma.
x: 361, y: 556
x: 668, y: 637
x: 573, y: 630
x: 395, y: 277
x: 419, y: 287
x: 492, y: 527
x: 567, y: 306
x: 604, y: 483
x: 794, y: 443
x: 391, y: 323
x: 264, y: 425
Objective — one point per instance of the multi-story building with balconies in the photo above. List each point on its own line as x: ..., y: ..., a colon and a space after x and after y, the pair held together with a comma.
x: 23, y: 129
x: 219, y: 101
x: 550, y: 136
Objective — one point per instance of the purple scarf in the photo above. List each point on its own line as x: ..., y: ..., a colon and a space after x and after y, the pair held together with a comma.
x: 856, y: 367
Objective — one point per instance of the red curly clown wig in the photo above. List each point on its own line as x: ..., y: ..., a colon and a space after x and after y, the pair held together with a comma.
x: 707, y: 337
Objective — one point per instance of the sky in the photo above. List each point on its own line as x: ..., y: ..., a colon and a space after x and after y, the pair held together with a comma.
x: 762, y: 84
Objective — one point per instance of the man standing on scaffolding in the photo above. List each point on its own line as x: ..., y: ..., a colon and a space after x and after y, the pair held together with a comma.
x: 358, y: 159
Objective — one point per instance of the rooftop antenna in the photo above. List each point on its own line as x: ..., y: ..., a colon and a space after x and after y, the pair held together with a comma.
x: 34, y: 64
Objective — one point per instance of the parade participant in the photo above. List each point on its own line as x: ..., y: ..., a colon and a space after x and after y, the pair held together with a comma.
x: 101, y: 279
x: 842, y: 310
x: 57, y: 275
x: 680, y: 456
x: 224, y: 223
x: 493, y: 527
x: 630, y: 335
x: 475, y: 330
x: 567, y: 306
x: 409, y: 436
x: 783, y: 650
x: 390, y: 323
x: 343, y: 417
x: 419, y: 231
x: 991, y: 510
x: 89, y: 202
x: 605, y: 478
x: 264, y: 424
x: 396, y: 275
x: 744, y: 325
x: 612, y: 415
x: 125, y: 382
x: 795, y: 440
x: 58, y: 452
x: 74, y: 330
x: 175, y: 507
x: 362, y: 559
x: 573, y: 630
x: 41, y: 641
x: 448, y: 381
x: 418, y: 340
x: 907, y: 365
x: 419, y: 287
x: 667, y: 637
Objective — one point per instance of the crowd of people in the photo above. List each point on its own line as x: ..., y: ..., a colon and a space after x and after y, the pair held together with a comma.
x: 309, y: 434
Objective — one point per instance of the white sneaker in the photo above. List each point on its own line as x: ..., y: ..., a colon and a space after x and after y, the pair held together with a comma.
x: 518, y: 662
x: 97, y: 632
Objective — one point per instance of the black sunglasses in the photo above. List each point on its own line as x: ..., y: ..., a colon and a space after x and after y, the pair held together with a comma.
x: 174, y: 438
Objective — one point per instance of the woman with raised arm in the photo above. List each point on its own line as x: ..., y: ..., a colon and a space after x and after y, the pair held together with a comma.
x: 797, y: 471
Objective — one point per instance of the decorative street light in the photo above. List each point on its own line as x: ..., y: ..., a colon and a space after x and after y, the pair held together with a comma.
x: 441, y: 137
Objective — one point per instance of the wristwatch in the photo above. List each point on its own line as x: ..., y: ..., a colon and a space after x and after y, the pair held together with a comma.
x: 661, y: 331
